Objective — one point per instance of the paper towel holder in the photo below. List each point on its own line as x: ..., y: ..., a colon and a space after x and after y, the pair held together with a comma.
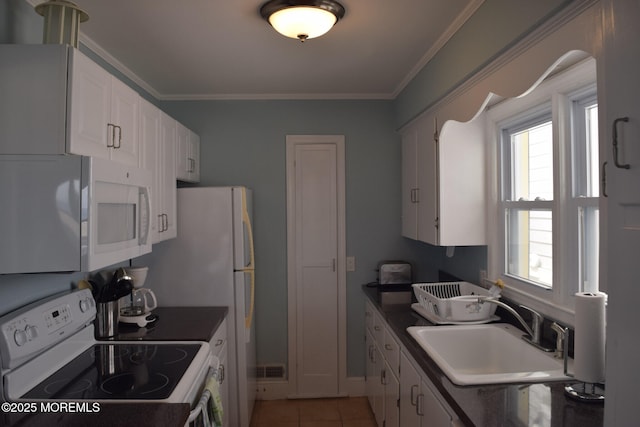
x: 582, y: 391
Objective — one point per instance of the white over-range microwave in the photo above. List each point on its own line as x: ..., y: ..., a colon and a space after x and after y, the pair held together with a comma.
x: 71, y: 213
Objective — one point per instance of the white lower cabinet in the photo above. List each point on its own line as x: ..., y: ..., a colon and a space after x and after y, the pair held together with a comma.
x: 399, y: 393
x: 410, y: 383
x: 420, y: 403
x: 391, y: 396
x: 382, y: 367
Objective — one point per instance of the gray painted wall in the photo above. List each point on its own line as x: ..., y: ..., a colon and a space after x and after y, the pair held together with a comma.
x: 243, y: 143
x: 496, y: 26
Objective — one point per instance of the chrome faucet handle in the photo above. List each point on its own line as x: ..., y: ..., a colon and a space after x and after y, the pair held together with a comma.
x: 561, y: 336
x: 535, y: 324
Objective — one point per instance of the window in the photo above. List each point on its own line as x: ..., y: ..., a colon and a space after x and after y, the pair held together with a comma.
x: 546, y: 203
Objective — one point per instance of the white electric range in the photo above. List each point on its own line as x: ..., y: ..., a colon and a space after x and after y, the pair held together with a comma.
x: 49, y: 353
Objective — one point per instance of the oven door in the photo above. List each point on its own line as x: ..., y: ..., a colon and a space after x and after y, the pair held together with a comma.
x: 208, y: 411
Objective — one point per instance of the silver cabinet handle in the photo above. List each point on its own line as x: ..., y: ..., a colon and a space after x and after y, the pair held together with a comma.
x: 221, y: 374
x: 604, y: 179
x: 388, y: 347
x: 419, y: 404
x: 111, y: 130
x: 615, y: 143
x: 119, y: 140
x: 111, y: 136
x: 414, y: 398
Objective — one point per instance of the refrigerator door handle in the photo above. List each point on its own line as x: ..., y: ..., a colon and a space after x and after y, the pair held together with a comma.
x: 248, y: 319
x: 249, y: 230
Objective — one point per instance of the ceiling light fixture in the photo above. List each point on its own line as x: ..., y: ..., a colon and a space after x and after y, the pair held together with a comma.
x: 302, y: 19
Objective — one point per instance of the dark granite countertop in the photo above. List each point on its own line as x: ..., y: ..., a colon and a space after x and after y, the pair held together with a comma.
x: 177, y: 324
x: 490, y: 405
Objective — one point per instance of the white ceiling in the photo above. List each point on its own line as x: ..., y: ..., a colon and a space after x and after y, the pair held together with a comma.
x: 215, y: 49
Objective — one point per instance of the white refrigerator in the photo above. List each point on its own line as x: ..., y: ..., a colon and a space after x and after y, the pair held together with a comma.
x: 211, y: 263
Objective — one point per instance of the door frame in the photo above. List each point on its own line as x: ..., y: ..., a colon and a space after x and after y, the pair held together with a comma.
x: 291, y: 142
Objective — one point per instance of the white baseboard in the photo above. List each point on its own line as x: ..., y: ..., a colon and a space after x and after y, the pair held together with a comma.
x: 276, y: 390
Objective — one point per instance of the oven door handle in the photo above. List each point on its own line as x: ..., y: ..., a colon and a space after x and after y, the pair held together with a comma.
x: 199, y: 416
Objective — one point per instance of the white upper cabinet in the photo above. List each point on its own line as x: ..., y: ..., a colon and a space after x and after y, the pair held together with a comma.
x: 443, y: 182
x: 157, y: 141
x: 419, y: 177
x: 57, y: 101
x: 104, y: 114
x: 166, y: 176
x: 188, y: 155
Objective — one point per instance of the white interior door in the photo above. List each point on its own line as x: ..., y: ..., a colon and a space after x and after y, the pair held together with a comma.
x: 316, y: 275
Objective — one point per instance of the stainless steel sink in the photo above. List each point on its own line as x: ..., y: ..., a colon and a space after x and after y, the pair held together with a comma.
x: 487, y: 354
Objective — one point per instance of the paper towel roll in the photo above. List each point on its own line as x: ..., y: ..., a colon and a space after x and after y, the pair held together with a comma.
x: 589, y: 342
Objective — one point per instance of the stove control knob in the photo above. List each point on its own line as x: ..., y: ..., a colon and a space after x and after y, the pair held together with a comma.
x: 84, y: 305
x: 32, y: 332
x: 20, y: 337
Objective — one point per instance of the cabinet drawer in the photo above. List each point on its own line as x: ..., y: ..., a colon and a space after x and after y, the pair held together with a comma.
x: 391, y: 352
x: 368, y: 316
x: 219, y: 339
x: 378, y: 329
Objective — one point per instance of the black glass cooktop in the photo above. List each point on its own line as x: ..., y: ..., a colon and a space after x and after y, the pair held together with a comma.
x: 119, y: 371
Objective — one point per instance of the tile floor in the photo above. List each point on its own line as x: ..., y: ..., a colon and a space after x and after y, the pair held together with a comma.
x: 339, y: 412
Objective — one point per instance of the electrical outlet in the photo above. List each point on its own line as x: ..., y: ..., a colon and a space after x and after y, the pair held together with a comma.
x: 351, y: 263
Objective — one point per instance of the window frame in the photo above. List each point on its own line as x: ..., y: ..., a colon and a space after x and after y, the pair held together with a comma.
x: 555, y: 96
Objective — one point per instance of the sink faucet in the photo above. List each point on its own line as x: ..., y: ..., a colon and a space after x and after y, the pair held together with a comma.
x: 533, y: 332
x: 561, y: 337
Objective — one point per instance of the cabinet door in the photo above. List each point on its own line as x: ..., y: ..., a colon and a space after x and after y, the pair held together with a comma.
x: 430, y: 409
x: 621, y: 225
x: 370, y: 368
x: 410, y: 190
x: 149, y: 148
x: 194, y: 156
x: 182, y: 152
x: 391, y: 397
x: 462, y: 183
x: 409, y: 391
x: 90, y: 108
x: 428, y: 179
x: 187, y: 155
x: 168, y: 178
x: 378, y: 386
x: 124, y: 123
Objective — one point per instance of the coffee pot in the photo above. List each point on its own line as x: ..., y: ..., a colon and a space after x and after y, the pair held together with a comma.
x: 136, y: 308
x: 141, y: 301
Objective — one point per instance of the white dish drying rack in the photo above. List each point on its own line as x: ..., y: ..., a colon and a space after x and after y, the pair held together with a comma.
x: 455, y: 302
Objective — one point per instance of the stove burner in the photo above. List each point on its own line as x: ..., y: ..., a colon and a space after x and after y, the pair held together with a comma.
x: 119, y: 371
x: 180, y: 357
x: 73, y: 388
x: 134, y: 382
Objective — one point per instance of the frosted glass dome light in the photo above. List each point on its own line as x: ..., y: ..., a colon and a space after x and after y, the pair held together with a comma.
x: 302, y: 20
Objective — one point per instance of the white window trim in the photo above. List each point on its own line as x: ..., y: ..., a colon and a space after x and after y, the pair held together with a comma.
x: 554, y: 302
